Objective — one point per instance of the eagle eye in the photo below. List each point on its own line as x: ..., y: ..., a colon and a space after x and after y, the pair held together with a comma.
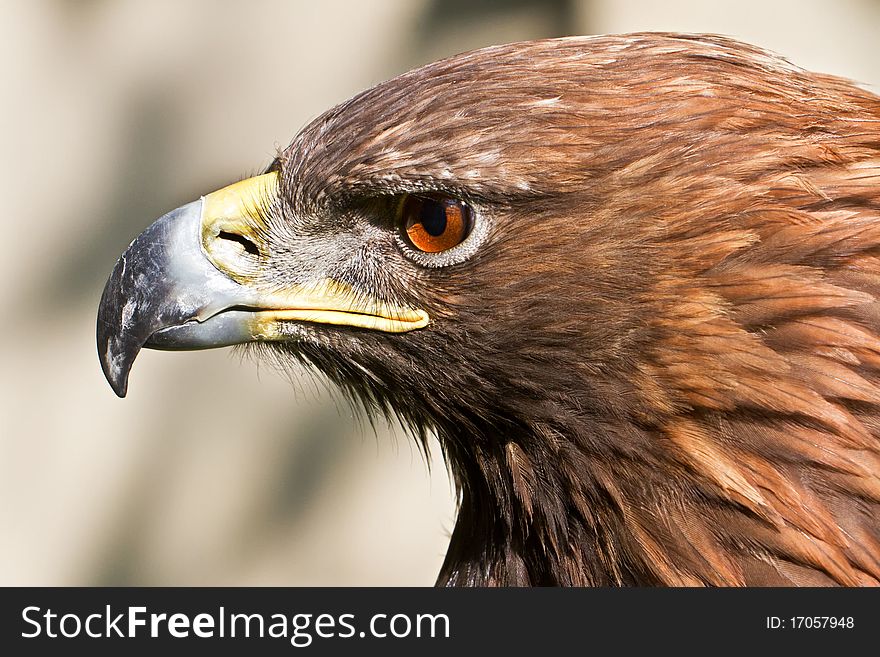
x: 435, y: 224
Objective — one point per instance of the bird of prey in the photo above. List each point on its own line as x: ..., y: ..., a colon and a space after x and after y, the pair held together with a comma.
x: 631, y: 282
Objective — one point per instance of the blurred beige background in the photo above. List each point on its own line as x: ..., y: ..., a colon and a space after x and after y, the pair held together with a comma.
x: 213, y: 470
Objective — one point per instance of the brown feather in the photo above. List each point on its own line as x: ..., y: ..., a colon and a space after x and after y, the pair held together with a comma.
x: 663, y: 364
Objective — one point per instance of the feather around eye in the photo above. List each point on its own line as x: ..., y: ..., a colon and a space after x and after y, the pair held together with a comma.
x: 433, y: 225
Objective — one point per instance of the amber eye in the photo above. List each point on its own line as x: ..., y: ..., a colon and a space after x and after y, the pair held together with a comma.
x: 435, y: 224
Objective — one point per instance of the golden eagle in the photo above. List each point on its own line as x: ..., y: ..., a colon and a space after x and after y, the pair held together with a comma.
x: 631, y: 282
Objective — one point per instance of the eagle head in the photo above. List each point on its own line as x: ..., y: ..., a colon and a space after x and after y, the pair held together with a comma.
x: 630, y: 283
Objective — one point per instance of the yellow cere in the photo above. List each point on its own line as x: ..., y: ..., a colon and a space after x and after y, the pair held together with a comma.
x: 231, y: 210
x: 235, y: 209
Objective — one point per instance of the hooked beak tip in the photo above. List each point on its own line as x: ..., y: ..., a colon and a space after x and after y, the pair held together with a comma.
x: 116, y: 351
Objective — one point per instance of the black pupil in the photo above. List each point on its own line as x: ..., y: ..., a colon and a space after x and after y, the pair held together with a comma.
x: 433, y: 217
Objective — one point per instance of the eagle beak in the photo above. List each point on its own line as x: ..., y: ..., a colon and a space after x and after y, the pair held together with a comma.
x: 187, y: 282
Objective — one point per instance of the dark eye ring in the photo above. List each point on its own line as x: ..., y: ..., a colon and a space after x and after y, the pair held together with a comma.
x: 434, y: 224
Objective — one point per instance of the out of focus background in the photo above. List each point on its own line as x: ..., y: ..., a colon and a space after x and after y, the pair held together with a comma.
x: 214, y: 470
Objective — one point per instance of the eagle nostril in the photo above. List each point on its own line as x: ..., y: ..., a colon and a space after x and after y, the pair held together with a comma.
x: 243, y: 241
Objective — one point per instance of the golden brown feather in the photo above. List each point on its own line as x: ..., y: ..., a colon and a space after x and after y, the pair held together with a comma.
x: 713, y: 214
x: 661, y: 365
